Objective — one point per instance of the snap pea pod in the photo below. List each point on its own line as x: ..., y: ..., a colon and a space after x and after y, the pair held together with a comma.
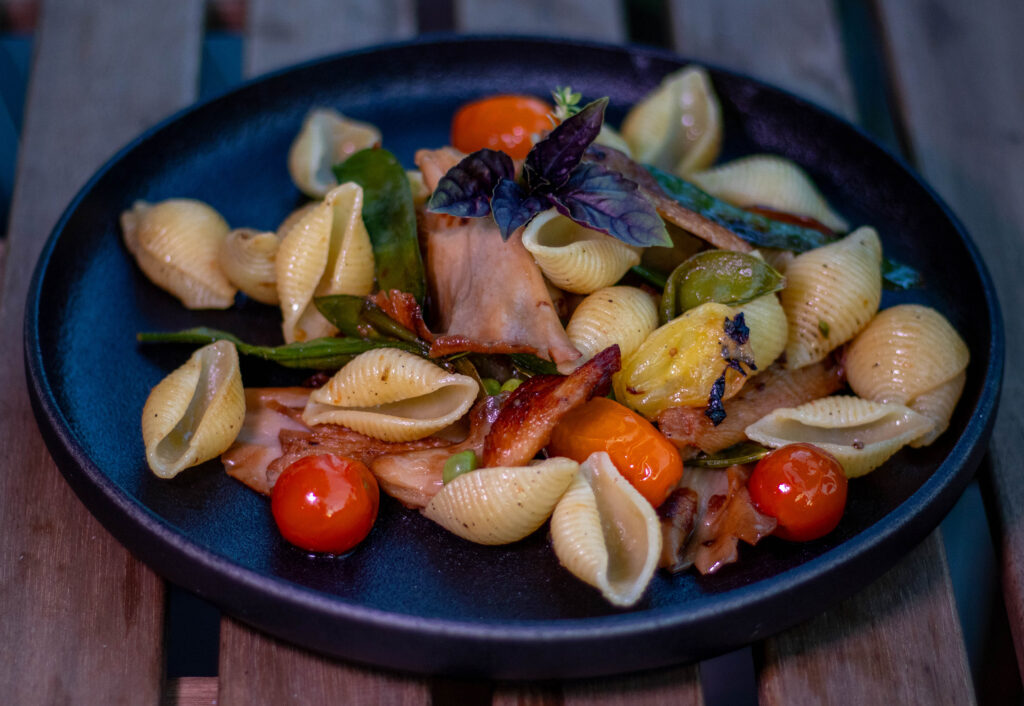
x: 743, y: 452
x: 722, y: 276
x: 390, y: 219
x: 532, y: 365
x: 345, y: 312
x: 457, y: 464
x: 317, y: 354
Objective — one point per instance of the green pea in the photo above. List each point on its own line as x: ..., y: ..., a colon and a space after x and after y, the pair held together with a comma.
x: 491, y: 386
x: 722, y: 276
x: 511, y: 384
x: 457, y: 464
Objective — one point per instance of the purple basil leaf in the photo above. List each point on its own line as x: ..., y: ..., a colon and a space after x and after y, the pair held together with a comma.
x: 609, y: 202
x: 467, y: 187
x: 512, y: 207
x: 551, y: 161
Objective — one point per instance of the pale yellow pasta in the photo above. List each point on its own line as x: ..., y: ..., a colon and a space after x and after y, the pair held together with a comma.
x: 195, y: 413
x: 392, y: 395
x: 176, y: 243
x: 831, y: 293
x: 605, y: 533
x: 678, y: 126
x: 768, y: 328
x: 326, y: 138
x: 574, y: 257
x: 501, y: 505
x: 327, y: 251
x: 769, y: 180
x: 613, y: 315
x: 910, y: 354
x: 294, y: 217
x: 861, y: 434
x: 247, y: 258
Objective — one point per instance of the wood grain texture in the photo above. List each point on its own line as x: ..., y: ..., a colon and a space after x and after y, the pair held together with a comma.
x: 956, y: 68
x: 190, y: 691
x: 283, y: 33
x: 582, y: 19
x: 797, y: 46
x: 884, y: 645
x: 255, y: 670
x: 81, y: 619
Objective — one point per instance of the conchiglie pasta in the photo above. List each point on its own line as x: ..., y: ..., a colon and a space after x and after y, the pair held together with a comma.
x: 605, y: 533
x: 195, y: 413
x: 502, y: 504
x: 769, y: 180
x: 910, y: 354
x: 247, y: 258
x: 326, y: 138
x: 327, y: 251
x: 831, y: 293
x: 768, y: 328
x: 613, y: 315
x: 392, y: 395
x: 575, y: 258
x: 176, y: 243
x: 861, y: 434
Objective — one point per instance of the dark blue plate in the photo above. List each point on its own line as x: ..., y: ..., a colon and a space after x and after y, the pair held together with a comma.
x: 412, y: 596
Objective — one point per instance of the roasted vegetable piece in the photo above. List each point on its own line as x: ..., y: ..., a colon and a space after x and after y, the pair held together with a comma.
x: 730, y: 278
x: 644, y: 457
x: 390, y: 219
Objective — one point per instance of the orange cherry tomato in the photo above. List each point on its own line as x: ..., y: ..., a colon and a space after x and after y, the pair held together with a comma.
x: 325, y: 503
x: 803, y: 487
x: 500, y: 123
x: 643, y: 456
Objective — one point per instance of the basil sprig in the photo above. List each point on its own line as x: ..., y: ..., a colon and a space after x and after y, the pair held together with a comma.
x: 552, y: 177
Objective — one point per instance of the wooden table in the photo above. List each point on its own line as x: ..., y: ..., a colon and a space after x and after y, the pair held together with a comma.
x: 83, y: 622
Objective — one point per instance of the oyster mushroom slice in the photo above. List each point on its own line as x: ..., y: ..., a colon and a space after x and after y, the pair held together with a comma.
x: 861, y: 434
x: 195, y: 413
x: 502, y: 504
x: 605, y: 533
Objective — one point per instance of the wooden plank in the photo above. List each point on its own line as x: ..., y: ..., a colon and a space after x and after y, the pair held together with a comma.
x: 280, y: 33
x: 805, y: 56
x: 190, y: 691
x: 955, y: 67
x: 582, y: 19
x: 256, y: 668
x: 81, y: 619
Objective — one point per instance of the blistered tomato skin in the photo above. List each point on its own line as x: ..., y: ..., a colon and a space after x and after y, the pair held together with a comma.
x: 803, y: 487
x: 642, y: 455
x: 325, y: 503
x: 503, y: 123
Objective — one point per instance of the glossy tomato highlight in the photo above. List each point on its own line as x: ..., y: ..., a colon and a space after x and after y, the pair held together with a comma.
x: 325, y: 503
x: 643, y: 456
x: 506, y: 123
x: 803, y: 487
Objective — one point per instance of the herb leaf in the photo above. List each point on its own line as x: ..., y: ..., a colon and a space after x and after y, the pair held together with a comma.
x: 604, y: 200
x: 512, y: 207
x: 552, y: 160
x: 466, y: 189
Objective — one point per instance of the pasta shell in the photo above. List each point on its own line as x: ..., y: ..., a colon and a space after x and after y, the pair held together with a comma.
x: 247, y: 258
x: 327, y: 251
x: 392, y: 395
x: 575, y: 258
x: 769, y: 180
x: 831, y: 293
x: 613, y: 315
x: 678, y: 126
x: 605, y: 533
x: 502, y: 504
x: 768, y: 328
x: 326, y: 138
x: 176, y: 243
x: 195, y: 413
x: 861, y: 434
x: 905, y: 355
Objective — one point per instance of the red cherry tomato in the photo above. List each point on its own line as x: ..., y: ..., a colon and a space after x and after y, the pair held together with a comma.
x: 803, y: 487
x: 643, y: 456
x: 325, y: 503
x: 500, y: 123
